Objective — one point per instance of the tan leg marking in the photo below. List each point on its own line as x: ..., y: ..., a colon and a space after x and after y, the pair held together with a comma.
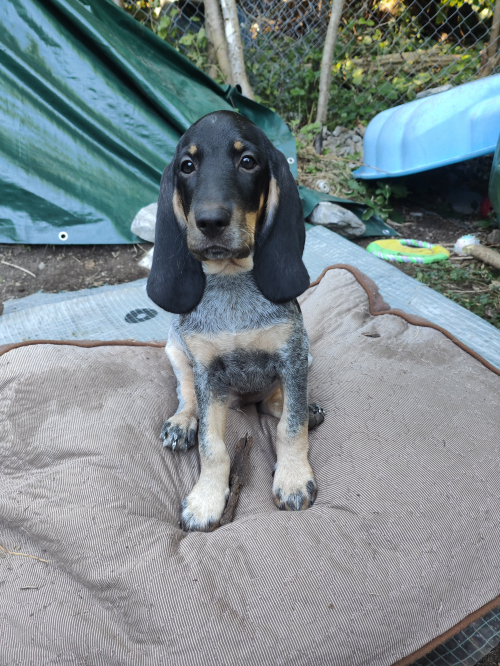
x: 203, y: 507
x: 273, y: 404
x: 179, y: 432
x: 294, y: 486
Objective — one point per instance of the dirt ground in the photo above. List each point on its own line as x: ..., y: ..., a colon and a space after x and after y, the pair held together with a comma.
x: 54, y: 268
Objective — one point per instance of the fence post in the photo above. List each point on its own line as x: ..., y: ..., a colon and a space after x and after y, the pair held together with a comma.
x: 215, y: 34
x: 233, y: 37
x: 326, y: 68
x: 491, y: 59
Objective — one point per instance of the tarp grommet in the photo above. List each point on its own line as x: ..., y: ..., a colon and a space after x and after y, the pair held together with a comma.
x: 63, y: 236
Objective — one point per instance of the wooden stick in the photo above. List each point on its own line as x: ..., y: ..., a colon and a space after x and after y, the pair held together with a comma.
x: 485, y: 254
x: 215, y: 34
x: 234, y: 46
x: 468, y: 291
x: 19, y: 267
x: 237, y: 477
x: 489, y: 54
x: 326, y: 67
x: 22, y: 555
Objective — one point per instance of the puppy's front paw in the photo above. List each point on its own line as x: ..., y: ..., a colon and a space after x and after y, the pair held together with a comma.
x: 179, y: 432
x: 203, y: 507
x: 294, y: 488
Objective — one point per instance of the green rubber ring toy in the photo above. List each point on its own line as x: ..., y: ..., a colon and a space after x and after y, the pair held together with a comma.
x: 408, y: 251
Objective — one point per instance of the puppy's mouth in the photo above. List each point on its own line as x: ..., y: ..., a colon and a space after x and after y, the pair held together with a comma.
x: 218, y: 252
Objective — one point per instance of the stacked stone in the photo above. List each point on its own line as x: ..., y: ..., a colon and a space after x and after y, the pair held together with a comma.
x: 343, y: 142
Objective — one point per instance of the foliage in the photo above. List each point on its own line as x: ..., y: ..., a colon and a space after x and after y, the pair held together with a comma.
x: 377, y: 196
x: 474, y: 286
x: 185, y: 34
x: 361, y: 87
x: 284, y: 71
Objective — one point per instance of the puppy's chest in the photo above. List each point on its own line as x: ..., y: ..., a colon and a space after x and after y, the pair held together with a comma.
x: 233, y: 318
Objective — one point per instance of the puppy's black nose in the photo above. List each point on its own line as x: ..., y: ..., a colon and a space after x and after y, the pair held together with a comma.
x: 212, y: 222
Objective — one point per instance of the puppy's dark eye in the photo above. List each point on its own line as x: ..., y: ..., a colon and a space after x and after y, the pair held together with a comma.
x: 248, y: 163
x: 187, y: 166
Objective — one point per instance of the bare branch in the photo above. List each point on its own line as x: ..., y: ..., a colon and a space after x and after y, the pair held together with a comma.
x: 235, y: 48
x: 216, y: 35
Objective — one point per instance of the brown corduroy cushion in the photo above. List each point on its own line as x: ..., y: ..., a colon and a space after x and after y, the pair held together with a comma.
x: 400, y: 546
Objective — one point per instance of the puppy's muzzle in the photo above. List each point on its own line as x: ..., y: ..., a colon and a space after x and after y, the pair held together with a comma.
x: 212, y: 222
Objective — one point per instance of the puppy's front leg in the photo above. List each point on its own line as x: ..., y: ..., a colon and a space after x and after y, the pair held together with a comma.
x: 294, y: 487
x: 203, y: 507
x: 179, y: 432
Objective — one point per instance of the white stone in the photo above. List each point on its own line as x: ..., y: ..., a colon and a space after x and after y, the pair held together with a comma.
x: 144, y: 223
x: 147, y: 260
x: 337, y: 218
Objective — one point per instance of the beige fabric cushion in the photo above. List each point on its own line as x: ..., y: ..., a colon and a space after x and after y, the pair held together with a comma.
x: 401, y: 545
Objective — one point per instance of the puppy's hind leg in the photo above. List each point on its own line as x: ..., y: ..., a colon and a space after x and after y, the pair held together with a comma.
x: 179, y: 432
x: 273, y: 405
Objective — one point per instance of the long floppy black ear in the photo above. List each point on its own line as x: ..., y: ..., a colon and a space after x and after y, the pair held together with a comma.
x: 278, y: 267
x: 176, y: 282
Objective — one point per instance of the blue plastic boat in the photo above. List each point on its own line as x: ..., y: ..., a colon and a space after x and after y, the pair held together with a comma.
x: 441, y: 129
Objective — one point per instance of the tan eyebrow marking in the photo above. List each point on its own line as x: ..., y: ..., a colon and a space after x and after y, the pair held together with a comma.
x: 178, y: 209
x: 192, y: 149
x: 238, y: 145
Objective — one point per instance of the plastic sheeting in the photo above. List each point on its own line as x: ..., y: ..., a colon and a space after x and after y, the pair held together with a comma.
x: 92, y: 107
x: 453, y: 126
x: 124, y: 311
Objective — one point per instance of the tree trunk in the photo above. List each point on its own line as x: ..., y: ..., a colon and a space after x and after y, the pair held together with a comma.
x: 235, y: 48
x: 326, y: 68
x: 215, y: 34
x: 490, y: 53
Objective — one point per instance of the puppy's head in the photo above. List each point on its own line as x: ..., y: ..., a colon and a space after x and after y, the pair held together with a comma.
x: 227, y: 195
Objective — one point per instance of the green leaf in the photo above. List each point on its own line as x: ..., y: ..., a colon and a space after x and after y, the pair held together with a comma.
x: 396, y: 216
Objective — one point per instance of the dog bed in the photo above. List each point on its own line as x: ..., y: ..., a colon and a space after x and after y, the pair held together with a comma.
x: 398, y: 554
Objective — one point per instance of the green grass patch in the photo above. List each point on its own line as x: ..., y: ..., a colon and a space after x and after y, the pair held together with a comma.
x: 474, y: 286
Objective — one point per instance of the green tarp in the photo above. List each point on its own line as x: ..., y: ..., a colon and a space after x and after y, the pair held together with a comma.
x: 92, y: 105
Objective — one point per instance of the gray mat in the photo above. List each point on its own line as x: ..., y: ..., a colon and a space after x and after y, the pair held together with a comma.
x: 124, y: 311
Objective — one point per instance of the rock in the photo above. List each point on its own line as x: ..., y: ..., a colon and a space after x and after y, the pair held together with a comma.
x: 144, y: 223
x: 41, y: 266
x: 337, y: 218
x: 343, y: 142
x: 339, y: 130
x: 147, y: 260
x: 433, y: 91
x: 494, y: 237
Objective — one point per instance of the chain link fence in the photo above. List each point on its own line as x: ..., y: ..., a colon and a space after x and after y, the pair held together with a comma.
x: 387, y: 53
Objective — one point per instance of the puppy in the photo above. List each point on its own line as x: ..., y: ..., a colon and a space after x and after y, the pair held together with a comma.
x: 228, y: 261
